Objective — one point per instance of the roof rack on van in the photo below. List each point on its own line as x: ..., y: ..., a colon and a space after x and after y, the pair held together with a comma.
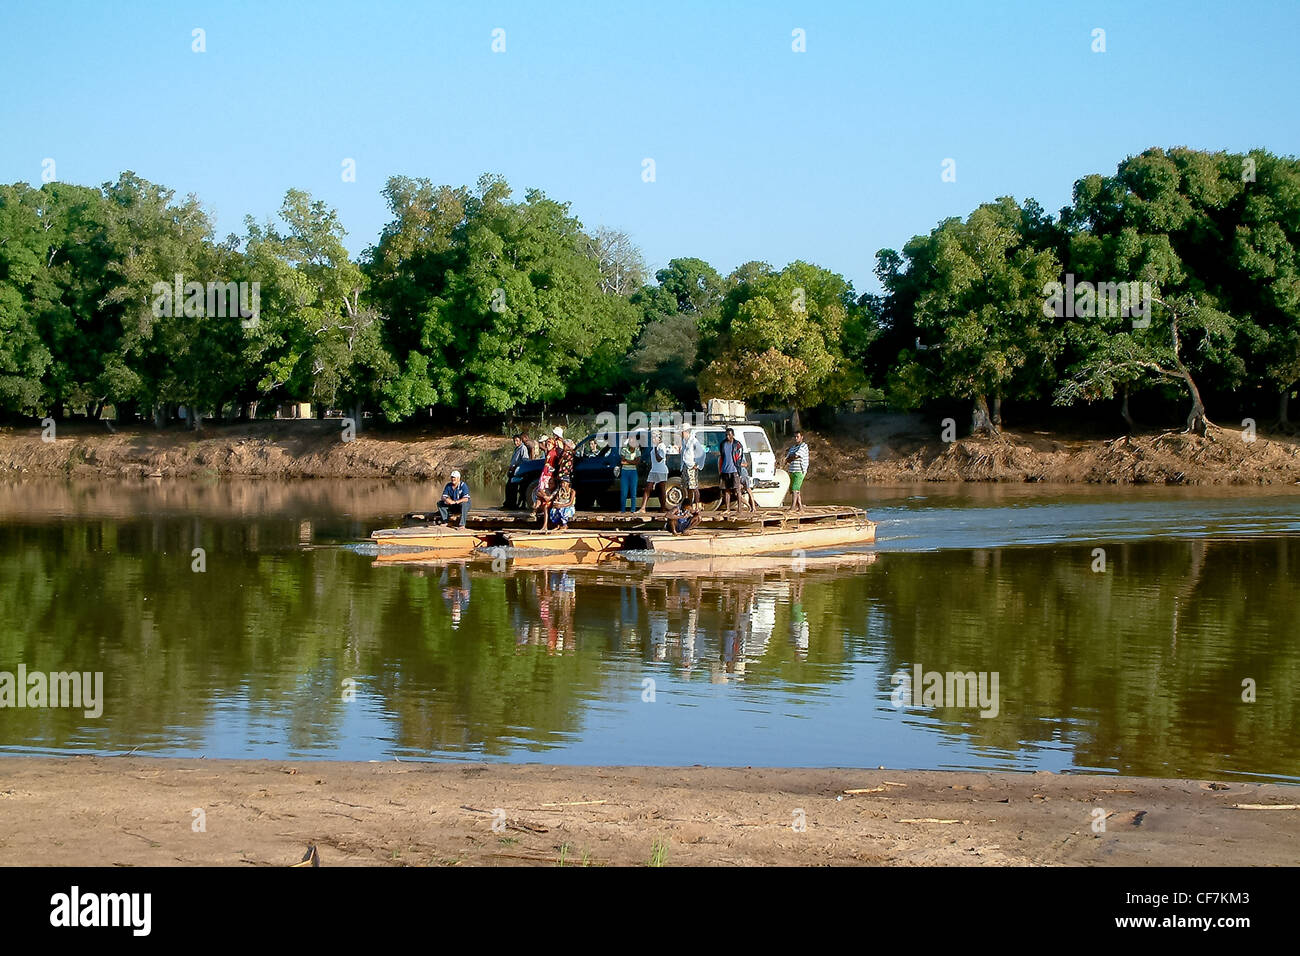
x: 724, y: 411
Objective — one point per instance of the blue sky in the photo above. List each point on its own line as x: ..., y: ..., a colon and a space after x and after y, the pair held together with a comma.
x: 760, y: 152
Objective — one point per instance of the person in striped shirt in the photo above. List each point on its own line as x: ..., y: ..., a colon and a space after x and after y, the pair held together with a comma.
x: 796, y: 462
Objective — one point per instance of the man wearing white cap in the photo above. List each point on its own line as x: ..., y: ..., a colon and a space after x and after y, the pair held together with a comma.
x: 455, y: 499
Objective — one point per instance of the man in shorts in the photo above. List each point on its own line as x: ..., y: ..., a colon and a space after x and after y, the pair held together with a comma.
x: 731, y: 455
x: 746, y: 494
x: 796, y: 462
x: 693, y: 453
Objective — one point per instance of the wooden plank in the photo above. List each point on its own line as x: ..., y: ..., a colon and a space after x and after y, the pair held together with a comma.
x: 458, y: 541
x: 568, y: 541
x: 732, y: 565
x: 431, y: 531
x: 768, y: 542
x: 445, y: 546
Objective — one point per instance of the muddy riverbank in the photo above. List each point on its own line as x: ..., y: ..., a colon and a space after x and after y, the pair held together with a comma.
x: 312, y: 449
x: 880, y: 454
x: 128, y: 811
x: 1166, y: 458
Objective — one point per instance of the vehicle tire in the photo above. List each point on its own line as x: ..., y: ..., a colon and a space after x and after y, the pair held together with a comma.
x: 530, y: 495
x: 674, y: 492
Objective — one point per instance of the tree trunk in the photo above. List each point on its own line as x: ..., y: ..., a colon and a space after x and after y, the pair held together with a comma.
x: 159, y: 416
x: 356, y: 416
x: 1196, y: 420
x: 1124, y: 412
x: 1282, y: 405
x: 980, y: 420
x: 997, y: 412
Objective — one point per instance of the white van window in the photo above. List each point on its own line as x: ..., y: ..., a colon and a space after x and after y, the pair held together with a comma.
x: 756, y: 440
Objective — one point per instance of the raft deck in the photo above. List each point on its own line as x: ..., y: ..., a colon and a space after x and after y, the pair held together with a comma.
x: 499, y: 519
x: 721, y: 534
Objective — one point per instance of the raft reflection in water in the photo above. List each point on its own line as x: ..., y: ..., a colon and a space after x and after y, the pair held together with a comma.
x: 688, y: 621
x: 1176, y: 659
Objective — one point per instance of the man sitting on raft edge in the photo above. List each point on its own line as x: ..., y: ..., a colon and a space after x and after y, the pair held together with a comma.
x: 454, y: 500
x: 682, y: 519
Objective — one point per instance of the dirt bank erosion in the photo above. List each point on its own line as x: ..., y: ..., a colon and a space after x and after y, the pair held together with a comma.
x: 300, y: 450
x: 1173, y: 458
x: 140, y: 811
x: 890, y: 451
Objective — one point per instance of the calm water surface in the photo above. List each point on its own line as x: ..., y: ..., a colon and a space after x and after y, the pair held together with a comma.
x: 1134, y: 668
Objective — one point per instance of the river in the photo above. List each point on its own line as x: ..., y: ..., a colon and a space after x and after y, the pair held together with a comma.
x: 1150, y: 631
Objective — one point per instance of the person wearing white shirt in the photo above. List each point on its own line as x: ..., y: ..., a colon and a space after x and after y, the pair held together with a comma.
x: 692, y: 461
x: 657, y: 479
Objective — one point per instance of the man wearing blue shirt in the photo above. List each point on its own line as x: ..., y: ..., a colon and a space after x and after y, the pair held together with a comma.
x: 731, y: 455
x: 455, y: 500
x: 520, y: 456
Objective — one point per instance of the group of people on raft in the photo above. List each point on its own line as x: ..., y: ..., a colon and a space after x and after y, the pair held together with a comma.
x: 555, y: 498
x: 555, y: 494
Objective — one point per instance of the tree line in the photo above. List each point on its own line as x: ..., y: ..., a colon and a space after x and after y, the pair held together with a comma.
x: 1177, y: 278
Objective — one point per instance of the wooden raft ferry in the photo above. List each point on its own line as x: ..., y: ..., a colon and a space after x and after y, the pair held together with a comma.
x: 719, y: 534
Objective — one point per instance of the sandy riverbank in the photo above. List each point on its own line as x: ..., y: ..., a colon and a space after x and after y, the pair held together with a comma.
x: 128, y: 811
x: 289, y: 450
x: 1164, y: 458
x: 892, y: 450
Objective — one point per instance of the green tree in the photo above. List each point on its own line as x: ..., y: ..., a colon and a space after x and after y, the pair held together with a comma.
x: 55, y: 253
x: 1167, y: 221
x: 778, y: 338
x: 514, y: 311
x: 526, y: 310
x: 1158, y: 353
x: 695, y: 285
x: 664, y: 357
x: 1265, y: 260
x: 663, y: 360
x: 975, y: 289
x: 317, y: 337
x: 408, y: 269
x: 162, y: 357
x: 26, y: 294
